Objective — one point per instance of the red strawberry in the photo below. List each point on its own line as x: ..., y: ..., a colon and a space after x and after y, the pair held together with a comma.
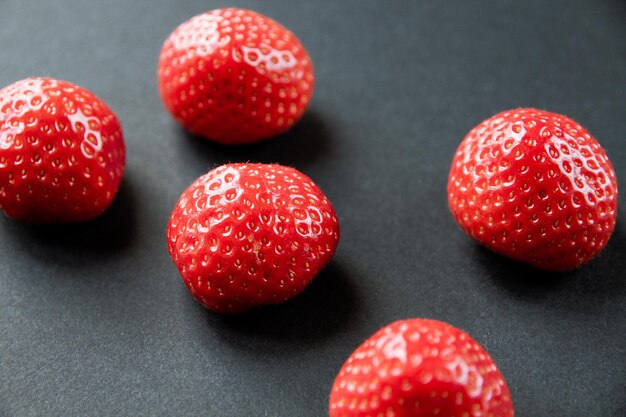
x: 245, y: 235
x: 235, y: 76
x: 534, y: 186
x: 420, y: 368
x: 61, y: 152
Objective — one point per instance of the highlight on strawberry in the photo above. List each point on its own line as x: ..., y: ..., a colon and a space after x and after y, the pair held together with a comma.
x: 420, y: 367
x: 235, y: 76
x: 62, y: 152
x: 247, y: 235
x: 534, y: 186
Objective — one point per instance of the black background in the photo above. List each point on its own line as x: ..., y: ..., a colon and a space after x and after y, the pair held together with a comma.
x: 95, y: 320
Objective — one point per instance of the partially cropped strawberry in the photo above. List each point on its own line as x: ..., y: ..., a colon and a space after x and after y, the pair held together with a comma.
x: 420, y: 368
x: 245, y: 235
x: 235, y: 76
x: 61, y: 152
x: 534, y: 186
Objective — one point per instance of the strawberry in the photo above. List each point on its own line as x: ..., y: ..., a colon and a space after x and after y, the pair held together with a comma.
x: 61, y: 152
x: 534, y: 186
x: 245, y: 235
x: 420, y: 368
x: 234, y: 76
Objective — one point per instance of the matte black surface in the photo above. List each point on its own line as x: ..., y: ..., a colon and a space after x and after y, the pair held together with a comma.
x: 94, y: 319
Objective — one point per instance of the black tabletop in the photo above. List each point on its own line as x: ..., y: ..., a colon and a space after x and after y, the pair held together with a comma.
x: 95, y: 320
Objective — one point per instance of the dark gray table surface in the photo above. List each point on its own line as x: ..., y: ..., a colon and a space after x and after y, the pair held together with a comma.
x: 95, y: 320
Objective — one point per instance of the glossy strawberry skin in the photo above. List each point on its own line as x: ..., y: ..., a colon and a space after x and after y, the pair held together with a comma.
x: 234, y: 76
x: 534, y: 186
x: 246, y: 235
x: 62, y: 152
x: 420, y: 368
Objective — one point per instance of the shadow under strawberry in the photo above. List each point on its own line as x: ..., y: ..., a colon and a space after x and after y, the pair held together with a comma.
x: 309, y: 140
x: 583, y: 289
x: 79, y: 245
x: 329, y: 305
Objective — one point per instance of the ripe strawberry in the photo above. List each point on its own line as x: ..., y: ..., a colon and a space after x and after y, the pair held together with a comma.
x: 534, y: 186
x: 420, y: 368
x: 245, y: 235
x: 235, y: 76
x: 61, y: 152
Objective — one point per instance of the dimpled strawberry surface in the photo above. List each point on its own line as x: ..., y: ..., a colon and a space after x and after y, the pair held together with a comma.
x: 62, y: 152
x: 534, y: 186
x: 245, y: 235
x: 420, y: 368
x: 234, y: 76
